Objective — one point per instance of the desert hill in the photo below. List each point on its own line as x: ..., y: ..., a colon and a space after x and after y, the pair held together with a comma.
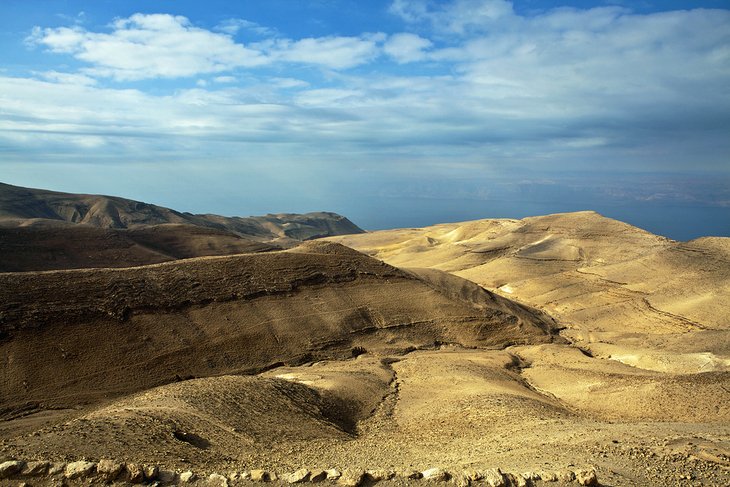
x: 107, y: 332
x: 48, y: 230
x: 548, y: 347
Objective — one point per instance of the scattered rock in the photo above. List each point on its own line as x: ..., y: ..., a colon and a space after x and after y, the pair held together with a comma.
x: 351, y: 478
x: 217, y: 480
x: 493, y: 477
x: 318, y: 476
x: 333, y: 474
x: 34, y: 469
x: 435, y: 474
x: 10, y: 468
x: 109, y: 470
x: 167, y: 476
x: 135, y: 473
x: 301, y: 475
x: 79, y: 469
x: 379, y: 475
x: 187, y: 477
x: 586, y: 477
x: 260, y: 475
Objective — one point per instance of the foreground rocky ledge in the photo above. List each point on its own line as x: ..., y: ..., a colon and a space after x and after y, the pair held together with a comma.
x: 110, y: 471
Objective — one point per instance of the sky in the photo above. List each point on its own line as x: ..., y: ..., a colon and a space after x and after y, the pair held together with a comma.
x: 392, y: 112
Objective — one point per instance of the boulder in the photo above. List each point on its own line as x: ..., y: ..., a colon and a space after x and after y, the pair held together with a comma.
x: 56, y: 468
x: 301, y: 475
x: 351, y: 478
x: 259, y: 475
x: 318, y: 476
x: 35, y: 469
x: 586, y: 477
x: 150, y: 472
x: 474, y: 475
x: 461, y: 479
x: 333, y: 474
x: 135, y: 473
x: 109, y: 470
x: 379, y: 475
x: 217, y: 480
x: 548, y: 476
x: 80, y: 469
x: 493, y: 477
x: 10, y: 468
x: 565, y: 475
x: 167, y: 476
x: 186, y: 477
x: 435, y: 474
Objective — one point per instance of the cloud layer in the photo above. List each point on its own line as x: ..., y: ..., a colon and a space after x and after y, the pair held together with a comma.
x: 467, y: 81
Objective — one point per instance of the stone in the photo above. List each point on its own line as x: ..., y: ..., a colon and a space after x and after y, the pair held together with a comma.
x: 167, y: 476
x: 135, y: 473
x: 217, y: 480
x: 56, y: 469
x: 109, y: 470
x: 318, y: 476
x: 474, y: 475
x: 461, y: 479
x: 565, y: 475
x: 521, y: 481
x: 494, y: 477
x: 259, y: 475
x: 10, y: 468
x: 150, y: 472
x: 35, y: 469
x: 586, y: 477
x: 80, y: 469
x: 301, y: 475
x: 548, y: 476
x: 351, y: 478
x: 435, y: 474
x: 187, y: 477
x: 379, y: 475
x: 333, y: 474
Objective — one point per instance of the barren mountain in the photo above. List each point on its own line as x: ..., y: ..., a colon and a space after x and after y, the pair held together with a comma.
x: 47, y: 230
x: 321, y: 357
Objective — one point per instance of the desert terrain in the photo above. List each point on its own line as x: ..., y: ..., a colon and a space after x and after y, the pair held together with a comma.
x: 558, y: 350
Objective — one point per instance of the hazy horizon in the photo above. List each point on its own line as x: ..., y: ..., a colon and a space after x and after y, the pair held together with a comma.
x: 393, y: 112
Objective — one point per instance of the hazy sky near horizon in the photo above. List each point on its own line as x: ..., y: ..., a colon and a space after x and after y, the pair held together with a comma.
x: 250, y: 107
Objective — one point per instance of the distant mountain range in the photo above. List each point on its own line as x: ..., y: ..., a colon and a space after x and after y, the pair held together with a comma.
x: 44, y: 230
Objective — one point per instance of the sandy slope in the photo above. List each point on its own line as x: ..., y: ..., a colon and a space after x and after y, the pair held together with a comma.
x: 454, y: 376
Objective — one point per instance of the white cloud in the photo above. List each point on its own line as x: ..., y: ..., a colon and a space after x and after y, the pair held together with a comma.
x: 148, y: 46
x: 233, y: 26
x: 225, y: 79
x: 407, y: 48
x: 570, y: 85
x: 68, y: 78
x: 335, y: 52
x: 456, y: 16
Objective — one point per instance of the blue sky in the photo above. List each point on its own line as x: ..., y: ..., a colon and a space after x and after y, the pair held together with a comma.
x: 364, y: 107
